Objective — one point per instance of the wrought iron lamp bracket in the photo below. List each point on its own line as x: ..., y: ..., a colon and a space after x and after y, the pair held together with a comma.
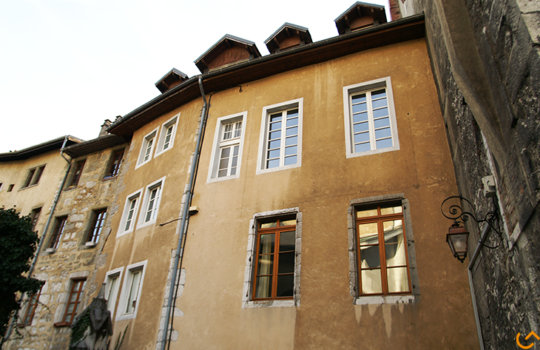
x: 456, y: 212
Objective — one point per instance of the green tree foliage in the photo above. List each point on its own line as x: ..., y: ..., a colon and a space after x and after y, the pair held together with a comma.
x: 17, y: 247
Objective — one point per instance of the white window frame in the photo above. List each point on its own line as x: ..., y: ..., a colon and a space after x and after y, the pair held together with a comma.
x: 173, y: 122
x: 367, y: 87
x: 153, y: 135
x: 220, y: 143
x: 126, y: 286
x: 108, y: 277
x: 142, y: 216
x: 121, y: 230
x: 263, y: 138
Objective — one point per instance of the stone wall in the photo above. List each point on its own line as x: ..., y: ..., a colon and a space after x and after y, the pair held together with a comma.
x: 485, y: 59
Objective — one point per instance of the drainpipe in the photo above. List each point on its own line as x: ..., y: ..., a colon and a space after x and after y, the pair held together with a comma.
x: 185, y: 215
x: 475, y: 256
x: 42, y: 239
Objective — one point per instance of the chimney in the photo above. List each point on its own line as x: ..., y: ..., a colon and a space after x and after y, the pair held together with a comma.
x: 104, y: 126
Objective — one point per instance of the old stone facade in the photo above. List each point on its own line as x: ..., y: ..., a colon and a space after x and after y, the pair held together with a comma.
x: 486, y: 62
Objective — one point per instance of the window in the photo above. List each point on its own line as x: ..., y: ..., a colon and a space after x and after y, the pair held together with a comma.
x: 151, y: 202
x: 131, y: 292
x: 226, y: 155
x: 35, y: 217
x: 98, y: 221
x: 10, y: 188
x: 33, y: 177
x: 58, y: 230
x: 370, y: 118
x: 33, y: 301
x: 77, y: 287
x: 1, y: 186
x: 166, y: 139
x: 145, y: 155
x: 111, y: 288
x: 381, y: 234
x: 76, y: 174
x: 273, y: 263
x: 114, y: 166
x: 280, y: 144
x: 129, y: 215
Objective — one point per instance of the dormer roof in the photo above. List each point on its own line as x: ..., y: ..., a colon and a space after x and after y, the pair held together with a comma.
x: 226, y: 51
x: 287, y: 36
x: 170, y: 80
x: 360, y: 15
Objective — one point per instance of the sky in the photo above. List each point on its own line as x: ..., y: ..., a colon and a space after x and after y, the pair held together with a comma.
x: 67, y: 65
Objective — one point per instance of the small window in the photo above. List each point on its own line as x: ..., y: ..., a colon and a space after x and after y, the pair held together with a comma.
x: 98, y: 221
x: 33, y: 302
x: 33, y: 177
x: 10, y: 188
x: 166, y: 139
x: 114, y: 166
x: 1, y: 186
x: 34, y: 216
x: 58, y: 230
x: 79, y: 166
x: 77, y: 287
x: 111, y: 288
x: 129, y: 215
x: 131, y: 292
x: 370, y: 119
x: 227, y: 148
x: 147, y: 148
x: 151, y: 201
x: 280, y: 144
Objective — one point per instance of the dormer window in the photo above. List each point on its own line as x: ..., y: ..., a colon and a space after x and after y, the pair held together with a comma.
x: 360, y: 15
x: 171, y: 79
x: 288, y: 36
x: 229, y: 50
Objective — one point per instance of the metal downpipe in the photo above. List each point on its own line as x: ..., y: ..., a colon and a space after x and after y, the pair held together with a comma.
x: 185, y: 217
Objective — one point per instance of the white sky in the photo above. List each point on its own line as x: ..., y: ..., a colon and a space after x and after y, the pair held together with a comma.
x: 67, y: 65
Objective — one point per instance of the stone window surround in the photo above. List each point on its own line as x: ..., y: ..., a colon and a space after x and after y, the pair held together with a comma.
x: 247, y: 298
x: 366, y: 86
x: 214, y: 158
x: 105, y: 177
x: 353, y: 265
x: 89, y: 226
x: 263, y: 137
x: 118, y: 273
x: 60, y: 311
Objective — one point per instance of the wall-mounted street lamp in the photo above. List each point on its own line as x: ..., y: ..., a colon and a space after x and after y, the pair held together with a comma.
x: 457, y: 236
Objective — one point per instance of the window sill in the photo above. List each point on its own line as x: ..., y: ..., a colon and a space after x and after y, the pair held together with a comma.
x: 109, y: 178
x: 23, y: 325
x: 50, y: 250
x: 224, y: 178
x: 61, y: 324
x: 268, y: 303
x: 24, y: 188
x: 387, y: 299
x: 271, y: 170
x: 369, y: 153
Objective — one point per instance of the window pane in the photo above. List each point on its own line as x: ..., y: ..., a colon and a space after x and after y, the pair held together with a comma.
x: 234, y: 161
x: 266, y: 244
x: 385, y: 210
x: 275, y: 135
x: 368, y: 233
x: 222, y: 173
x: 378, y: 94
x: 274, y: 154
x: 289, y: 151
x: 287, y: 222
x: 398, y: 281
x: 378, y: 113
x: 272, y: 163
x: 385, y: 143
x: 223, y: 163
x: 292, y: 131
x: 380, y: 103
x: 369, y: 256
x: 275, y: 126
x: 360, y: 117
x: 362, y: 137
x: 293, y: 140
x: 361, y: 127
x: 383, y: 133
x: 292, y: 113
x: 70, y: 308
x: 362, y: 107
x: 371, y: 281
x: 362, y: 147
x: 285, y: 286
x: 269, y: 224
x: 292, y: 122
x: 379, y: 123
x: 274, y: 144
x: 266, y: 264
x: 225, y: 152
x: 286, y: 240
x: 290, y: 160
x: 359, y: 98
x: 264, y: 287
x: 275, y: 117
x: 395, y: 251
x: 286, y: 263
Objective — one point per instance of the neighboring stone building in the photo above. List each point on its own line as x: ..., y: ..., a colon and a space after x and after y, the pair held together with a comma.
x: 315, y: 220
x: 74, y: 235
x: 486, y: 62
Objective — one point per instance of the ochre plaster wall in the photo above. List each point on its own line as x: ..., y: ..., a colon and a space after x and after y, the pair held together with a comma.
x: 209, y: 311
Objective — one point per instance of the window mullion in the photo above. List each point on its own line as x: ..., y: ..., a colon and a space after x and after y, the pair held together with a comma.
x: 276, y: 262
x: 282, y: 141
x: 369, y: 103
x: 382, y: 254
